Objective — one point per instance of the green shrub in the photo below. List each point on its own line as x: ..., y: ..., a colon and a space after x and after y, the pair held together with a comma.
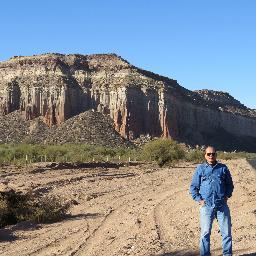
x: 163, y: 151
x: 49, y: 209
x: 4, y: 212
x: 195, y: 155
x: 16, y: 207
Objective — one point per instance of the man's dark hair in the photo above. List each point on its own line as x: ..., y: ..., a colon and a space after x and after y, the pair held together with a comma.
x: 210, y: 146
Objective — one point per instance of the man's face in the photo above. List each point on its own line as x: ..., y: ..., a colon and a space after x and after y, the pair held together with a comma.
x: 210, y: 155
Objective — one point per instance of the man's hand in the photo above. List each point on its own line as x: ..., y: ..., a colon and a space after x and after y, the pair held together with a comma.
x: 202, y: 202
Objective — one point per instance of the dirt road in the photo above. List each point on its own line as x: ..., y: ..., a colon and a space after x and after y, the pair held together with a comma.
x: 138, y: 210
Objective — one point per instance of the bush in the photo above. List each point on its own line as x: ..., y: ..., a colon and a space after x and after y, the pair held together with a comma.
x: 195, y: 155
x: 49, y: 209
x: 16, y: 207
x: 235, y: 155
x: 163, y: 151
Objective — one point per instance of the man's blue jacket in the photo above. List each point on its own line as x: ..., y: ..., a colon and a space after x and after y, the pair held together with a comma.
x: 211, y: 184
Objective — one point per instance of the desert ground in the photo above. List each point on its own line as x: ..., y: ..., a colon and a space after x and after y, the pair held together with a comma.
x: 133, y: 210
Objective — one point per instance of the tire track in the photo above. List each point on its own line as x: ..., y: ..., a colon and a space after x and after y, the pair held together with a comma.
x: 158, y: 218
x: 50, y: 238
x: 124, y: 203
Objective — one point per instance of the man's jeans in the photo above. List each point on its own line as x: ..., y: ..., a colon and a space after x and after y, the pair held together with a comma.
x: 207, y: 215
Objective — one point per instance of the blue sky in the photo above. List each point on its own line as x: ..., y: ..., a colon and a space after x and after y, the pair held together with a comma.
x: 201, y: 44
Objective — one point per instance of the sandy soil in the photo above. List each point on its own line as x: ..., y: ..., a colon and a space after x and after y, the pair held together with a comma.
x: 136, y: 210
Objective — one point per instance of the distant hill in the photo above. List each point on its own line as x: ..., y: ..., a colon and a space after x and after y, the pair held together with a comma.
x: 88, y: 127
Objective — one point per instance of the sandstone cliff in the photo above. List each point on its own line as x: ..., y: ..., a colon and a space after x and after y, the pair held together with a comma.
x: 57, y: 87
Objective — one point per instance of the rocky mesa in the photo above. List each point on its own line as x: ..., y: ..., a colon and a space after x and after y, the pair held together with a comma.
x: 56, y: 87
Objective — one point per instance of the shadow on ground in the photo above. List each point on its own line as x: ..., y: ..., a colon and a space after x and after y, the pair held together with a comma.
x: 187, y: 253
x: 180, y: 253
x: 7, y: 235
x: 85, y: 216
x: 252, y: 162
x: 78, y: 165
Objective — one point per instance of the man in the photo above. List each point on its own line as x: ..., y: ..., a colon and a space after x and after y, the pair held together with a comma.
x: 211, y: 187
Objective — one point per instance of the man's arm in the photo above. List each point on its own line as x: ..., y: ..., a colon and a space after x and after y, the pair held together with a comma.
x: 195, y: 186
x: 229, y: 183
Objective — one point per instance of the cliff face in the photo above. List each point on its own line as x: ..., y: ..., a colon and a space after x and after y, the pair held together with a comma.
x: 202, y: 125
x: 41, y: 87
x: 58, y: 87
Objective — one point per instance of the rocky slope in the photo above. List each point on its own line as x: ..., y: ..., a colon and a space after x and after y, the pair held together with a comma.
x: 88, y: 127
x: 57, y: 87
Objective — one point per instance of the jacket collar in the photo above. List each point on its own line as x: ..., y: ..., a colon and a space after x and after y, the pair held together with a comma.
x: 212, y: 166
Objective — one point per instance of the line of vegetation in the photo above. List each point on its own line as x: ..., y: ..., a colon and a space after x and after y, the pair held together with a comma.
x: 27, y: 153
x: 162, y: 151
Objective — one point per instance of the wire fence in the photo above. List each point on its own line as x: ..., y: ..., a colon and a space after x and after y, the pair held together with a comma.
x: 67, y: 159
x: 25, y: 153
